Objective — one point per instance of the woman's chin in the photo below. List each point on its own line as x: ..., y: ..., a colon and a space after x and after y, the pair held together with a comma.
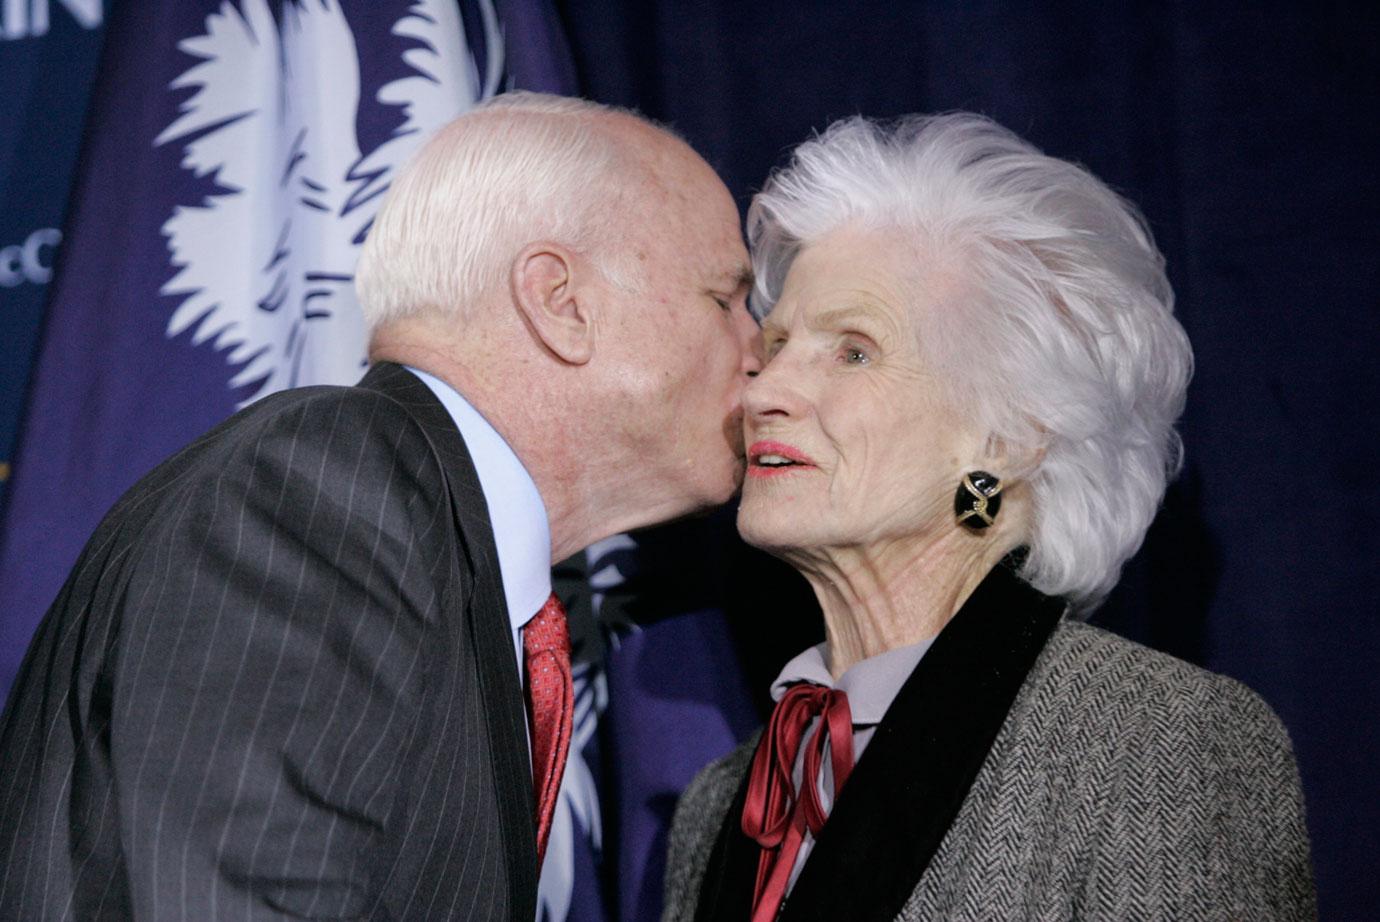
x: 769, y: 530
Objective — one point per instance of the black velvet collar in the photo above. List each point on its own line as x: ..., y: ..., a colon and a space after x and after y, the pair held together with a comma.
x: 915, y: 773
x: 490, y: 631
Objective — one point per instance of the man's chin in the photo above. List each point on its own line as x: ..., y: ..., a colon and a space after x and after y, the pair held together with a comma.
x: 709, y: 497
x: 709, y: 493
x: 729, y: 482
x: 739, y: 475
x: 726, y: 494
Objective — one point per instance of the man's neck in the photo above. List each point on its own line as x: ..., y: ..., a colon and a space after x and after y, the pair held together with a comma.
x: 581, y: 474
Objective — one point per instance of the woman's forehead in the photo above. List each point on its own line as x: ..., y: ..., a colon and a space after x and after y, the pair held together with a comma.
x: 831, y: 289
x: 883, y: 269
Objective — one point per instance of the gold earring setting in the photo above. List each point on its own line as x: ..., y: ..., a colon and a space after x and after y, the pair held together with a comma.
x: 978, y: 500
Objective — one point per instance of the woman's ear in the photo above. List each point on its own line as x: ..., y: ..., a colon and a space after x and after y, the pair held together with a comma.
x: 1012, y: 461
x: 555, y: 308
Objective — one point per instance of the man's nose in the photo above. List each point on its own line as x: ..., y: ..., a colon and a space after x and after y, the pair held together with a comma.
x: 750, y: 342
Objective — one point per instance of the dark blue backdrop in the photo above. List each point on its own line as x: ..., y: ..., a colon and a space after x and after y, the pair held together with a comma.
x: 47, y: 61
x: 1249, y: 138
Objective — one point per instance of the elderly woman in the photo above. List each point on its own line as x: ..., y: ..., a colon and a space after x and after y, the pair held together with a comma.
x: 962, y: 431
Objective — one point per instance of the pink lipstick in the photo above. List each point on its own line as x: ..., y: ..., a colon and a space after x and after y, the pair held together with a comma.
x: 774, y: 459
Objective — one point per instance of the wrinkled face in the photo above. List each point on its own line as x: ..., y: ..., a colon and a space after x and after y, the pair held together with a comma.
x: 851, y: 441
x: 692, y: 343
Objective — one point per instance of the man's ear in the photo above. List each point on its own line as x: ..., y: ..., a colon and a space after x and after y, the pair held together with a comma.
x: 544, y: 282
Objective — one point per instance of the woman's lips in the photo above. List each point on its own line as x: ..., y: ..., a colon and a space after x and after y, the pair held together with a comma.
x: 775, y: 459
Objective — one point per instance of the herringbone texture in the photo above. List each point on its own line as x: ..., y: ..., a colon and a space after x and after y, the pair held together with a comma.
x: 1125, y: 785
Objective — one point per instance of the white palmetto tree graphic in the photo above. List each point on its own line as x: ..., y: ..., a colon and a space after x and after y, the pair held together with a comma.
x: 265, y: 265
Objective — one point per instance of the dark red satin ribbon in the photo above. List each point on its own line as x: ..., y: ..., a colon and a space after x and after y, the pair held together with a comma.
x: 774, y: 816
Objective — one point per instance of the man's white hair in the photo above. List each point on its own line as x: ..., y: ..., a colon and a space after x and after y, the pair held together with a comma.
x: 1063, y: 345
x: 519, y: 168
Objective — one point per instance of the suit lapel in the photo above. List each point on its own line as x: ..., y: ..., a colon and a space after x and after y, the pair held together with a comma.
x: 907, y: 788
x: 490, y: 629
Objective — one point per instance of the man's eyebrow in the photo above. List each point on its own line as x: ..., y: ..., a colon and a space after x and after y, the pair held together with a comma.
x: 738, y: 277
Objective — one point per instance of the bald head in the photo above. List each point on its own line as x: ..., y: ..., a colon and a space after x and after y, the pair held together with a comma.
x: 577, y: 274
x: 521, y: 167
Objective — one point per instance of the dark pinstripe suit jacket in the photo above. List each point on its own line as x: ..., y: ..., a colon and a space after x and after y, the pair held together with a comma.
x: 279, y: 683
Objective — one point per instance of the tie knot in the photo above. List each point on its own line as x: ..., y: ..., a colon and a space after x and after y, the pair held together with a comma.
x: 547, y: 632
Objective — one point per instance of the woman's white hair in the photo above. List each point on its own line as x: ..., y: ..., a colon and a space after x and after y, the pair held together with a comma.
x: 517, y: 168
x: 1066, y: 349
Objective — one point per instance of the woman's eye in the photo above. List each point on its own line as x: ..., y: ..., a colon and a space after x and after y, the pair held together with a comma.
x: 722, y: 302
x: 852, y: 355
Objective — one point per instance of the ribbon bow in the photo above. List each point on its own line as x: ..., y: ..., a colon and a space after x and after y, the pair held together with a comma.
x: 775, y: 817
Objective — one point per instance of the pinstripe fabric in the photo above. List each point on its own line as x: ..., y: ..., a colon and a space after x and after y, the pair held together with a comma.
x: 278, y: 684
x: 1124, y: 785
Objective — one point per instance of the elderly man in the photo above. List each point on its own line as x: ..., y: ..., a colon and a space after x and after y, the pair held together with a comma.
x: 308, y: 667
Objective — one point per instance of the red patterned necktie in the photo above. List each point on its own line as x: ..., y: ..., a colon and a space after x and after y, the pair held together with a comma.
x: 774, y: 815
x: 550, y: 707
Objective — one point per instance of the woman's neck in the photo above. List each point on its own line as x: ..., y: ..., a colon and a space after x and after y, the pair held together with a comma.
x: 882, y: 597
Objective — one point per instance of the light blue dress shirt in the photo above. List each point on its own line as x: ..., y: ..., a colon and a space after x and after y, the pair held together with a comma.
x: 522, y: 535
x: 522, y: 532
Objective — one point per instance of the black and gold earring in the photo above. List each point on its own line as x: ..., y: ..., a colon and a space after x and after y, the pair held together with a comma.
x: 978, y: 500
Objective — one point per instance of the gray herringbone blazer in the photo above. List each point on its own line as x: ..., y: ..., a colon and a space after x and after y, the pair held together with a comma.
x: 1123, y: 785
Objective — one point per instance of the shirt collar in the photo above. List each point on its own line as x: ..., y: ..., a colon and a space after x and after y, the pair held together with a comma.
x: 522, y: 533
x: 871, y: 685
